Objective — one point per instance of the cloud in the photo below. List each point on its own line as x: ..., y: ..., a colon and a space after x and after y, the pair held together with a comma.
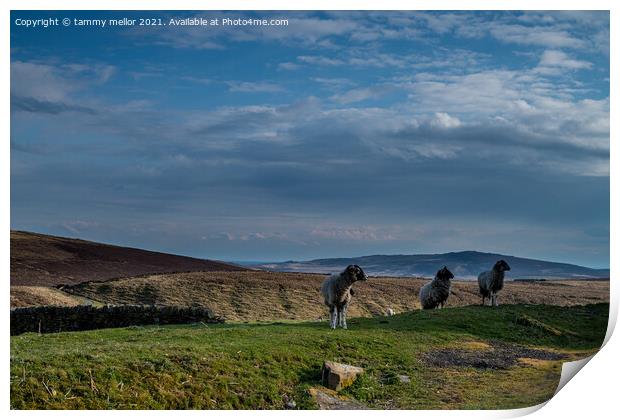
x: 303, y: 29
x: 288, y: 66
x: 248, y: 236
x: 338, y: 31
x: 333, y: 82
x: 460, y: 23
x: 253, y: 87
x: 533, y: 35
x: 360, y: 94
x: 40, y: 81
x: 199, y: 80
x: 444, y: 120
x: 79, y: 227
x: 320, y: 60
x: 25, y: 104
x: 357, y: 58
x: 350, y: 233
x: 48, y: 88
x: 455, y: 59
x: 487, y: 110
x: 559, y: 59
x: 365, y: 144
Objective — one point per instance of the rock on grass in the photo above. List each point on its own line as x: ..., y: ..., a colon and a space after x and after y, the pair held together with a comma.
x: 338, y: 375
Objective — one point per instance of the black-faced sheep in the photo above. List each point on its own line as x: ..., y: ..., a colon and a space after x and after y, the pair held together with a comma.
x: 435, y: 294
x: 491, y: 282
x: 336, y: 290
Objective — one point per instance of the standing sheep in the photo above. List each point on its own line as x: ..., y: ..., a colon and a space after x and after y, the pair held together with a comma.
x: 435, y: 294
x: 491, y: 282
x: 337, y: 293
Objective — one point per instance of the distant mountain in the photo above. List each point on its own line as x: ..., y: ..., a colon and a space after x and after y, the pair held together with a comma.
x: 44, y: 260
x: 464, y: 265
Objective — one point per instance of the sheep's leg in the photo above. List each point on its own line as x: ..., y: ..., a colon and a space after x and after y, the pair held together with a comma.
x: 482, y: 300
x: 344, y: 317
x: 341, y: 316
x: 332, y: 317
x: 495, y: 300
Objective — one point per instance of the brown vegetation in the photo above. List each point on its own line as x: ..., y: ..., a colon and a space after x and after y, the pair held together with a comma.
x: 254, y: 295
x: 43, y: 260
x: 22, y: 296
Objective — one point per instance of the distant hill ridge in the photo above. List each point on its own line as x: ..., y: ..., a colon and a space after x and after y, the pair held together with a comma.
x: 464, y: 265
x: 44, y: 260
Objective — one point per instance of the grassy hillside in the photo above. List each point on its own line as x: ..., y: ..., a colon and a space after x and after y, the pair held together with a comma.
x: 467, y: 357
x: 254, y: 295
x: 43, y: 260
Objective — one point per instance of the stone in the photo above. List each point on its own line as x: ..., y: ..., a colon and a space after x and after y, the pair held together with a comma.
x: 289, y: 403
x: 337, y: 376
x: 404, y: 379
x: 327, y: 399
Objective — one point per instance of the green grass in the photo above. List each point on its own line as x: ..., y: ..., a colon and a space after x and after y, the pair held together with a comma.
x: 259, y: 365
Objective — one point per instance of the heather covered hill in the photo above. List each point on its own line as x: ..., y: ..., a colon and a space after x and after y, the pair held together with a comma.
x: 44, y: 260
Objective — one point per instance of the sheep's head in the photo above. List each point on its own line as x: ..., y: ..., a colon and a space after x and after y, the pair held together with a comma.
x: 501, y: 265
x: 356, y: 273
x: 444, y: 274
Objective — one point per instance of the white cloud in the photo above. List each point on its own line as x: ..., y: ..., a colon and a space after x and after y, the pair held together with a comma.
x: 536, y: 35
x: 444, y: 120
x: 366, y: 233
x: 288, y: 66
x: 553, y: 59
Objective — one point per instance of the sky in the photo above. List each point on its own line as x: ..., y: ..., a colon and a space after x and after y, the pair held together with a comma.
x: 338, y: 134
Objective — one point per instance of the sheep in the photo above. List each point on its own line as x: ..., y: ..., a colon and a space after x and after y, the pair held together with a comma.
x: 435, y: 293
x: 491, y: 282
x: 336, y: 291
x: 390, y: 312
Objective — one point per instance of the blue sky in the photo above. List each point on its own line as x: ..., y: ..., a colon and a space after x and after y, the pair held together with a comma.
x: 340, y: 134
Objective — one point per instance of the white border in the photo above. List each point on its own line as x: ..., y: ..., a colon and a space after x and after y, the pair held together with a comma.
x: 593, y: 394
